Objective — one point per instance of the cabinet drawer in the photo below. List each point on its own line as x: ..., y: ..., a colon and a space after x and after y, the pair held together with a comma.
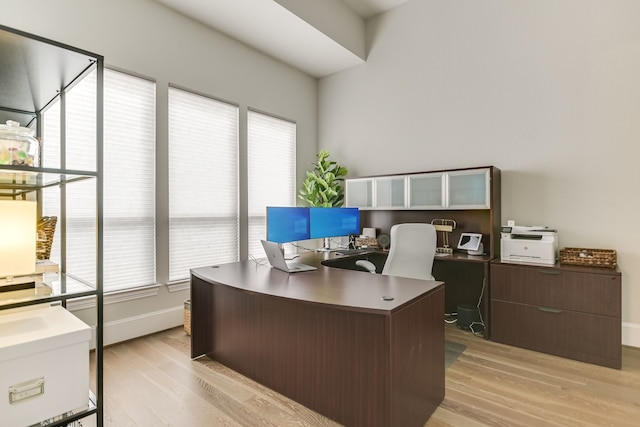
x: 557, y: 288
x: 580, y: 336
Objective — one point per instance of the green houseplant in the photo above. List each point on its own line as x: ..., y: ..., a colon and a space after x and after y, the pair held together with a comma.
x: 323, y: 185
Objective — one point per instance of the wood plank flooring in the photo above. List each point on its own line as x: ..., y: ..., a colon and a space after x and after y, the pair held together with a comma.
x: 151, y: 381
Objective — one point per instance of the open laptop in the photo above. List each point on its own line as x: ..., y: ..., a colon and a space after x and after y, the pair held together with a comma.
x: 276, y: 259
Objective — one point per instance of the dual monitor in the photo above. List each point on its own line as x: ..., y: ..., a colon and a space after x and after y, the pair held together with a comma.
x: 291, y: 224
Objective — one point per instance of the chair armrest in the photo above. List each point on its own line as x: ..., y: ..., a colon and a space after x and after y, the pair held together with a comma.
x: 367, y: 265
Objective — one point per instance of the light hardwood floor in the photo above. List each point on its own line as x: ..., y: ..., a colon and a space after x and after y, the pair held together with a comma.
x: 151, y: 381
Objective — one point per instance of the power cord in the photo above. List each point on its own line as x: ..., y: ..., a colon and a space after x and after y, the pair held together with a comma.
x: 481, y: 322
x: 338, y: 245
x: 297, y: 246
x: 261, y: 261
x: 451, y: 318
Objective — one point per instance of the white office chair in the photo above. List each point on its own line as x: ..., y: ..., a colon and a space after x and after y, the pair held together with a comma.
x: 413, y: 247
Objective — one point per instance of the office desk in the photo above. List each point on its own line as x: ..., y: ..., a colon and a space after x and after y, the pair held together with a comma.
x: 326, y: 338
x: 466, y: 277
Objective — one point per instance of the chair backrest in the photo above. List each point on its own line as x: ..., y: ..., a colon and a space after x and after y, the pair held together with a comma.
x: 413, y: 247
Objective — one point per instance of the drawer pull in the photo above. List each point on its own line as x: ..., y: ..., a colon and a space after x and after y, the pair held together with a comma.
x: 551, y: 272
x: 549, y: 310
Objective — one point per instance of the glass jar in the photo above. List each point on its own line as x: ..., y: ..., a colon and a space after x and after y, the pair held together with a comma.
x: 18, y: 145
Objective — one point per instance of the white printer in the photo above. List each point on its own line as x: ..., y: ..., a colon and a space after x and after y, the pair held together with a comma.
x: 531, y: 244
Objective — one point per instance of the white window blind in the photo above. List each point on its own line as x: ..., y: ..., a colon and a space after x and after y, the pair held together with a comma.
x: 129, y: 179
x: 203, y: 183
x: 271, y: 171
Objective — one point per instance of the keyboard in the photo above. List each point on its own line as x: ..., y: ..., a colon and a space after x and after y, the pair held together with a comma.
x: 352, y: 251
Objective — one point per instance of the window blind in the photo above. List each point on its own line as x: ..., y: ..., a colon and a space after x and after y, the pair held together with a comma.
x: 129, y: 179
x: 271, y: 144
x: 203, y: 182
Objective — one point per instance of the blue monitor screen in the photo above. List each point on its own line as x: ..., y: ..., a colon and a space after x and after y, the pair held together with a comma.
x: 287, y: 224
x: 334, y: 222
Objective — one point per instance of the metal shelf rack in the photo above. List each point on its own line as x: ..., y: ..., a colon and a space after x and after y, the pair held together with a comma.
x: 34, y: 73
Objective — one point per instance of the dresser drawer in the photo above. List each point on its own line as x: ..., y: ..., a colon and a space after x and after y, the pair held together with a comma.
x: 558, y: 288
x: 586, y: 337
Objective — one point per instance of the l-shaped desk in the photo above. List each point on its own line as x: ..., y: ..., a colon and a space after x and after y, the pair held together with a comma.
x: 361, y: 349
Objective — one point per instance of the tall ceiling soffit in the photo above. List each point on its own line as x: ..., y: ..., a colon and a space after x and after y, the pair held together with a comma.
x: 318, y: 37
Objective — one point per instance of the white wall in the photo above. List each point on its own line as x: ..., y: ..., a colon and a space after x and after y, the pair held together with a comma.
x: 144, y: 37
x: 548, y: 91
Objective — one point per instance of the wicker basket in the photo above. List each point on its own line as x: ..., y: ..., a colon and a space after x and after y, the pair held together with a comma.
x: 589, y: 257
x: 46, y: 228
x: 187, y: 317
x: 369, y: 242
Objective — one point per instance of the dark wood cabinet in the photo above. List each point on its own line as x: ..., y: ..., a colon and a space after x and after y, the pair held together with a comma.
x: 568, y: 311
x: 482, y: 217
x: 466, y: 277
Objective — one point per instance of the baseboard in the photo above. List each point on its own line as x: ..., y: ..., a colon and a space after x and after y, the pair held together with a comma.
x: 631, y: 334
x: 149, y: 323
x: 137, y: 326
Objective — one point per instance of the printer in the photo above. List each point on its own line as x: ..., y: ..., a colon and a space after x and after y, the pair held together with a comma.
x: 530, y: 244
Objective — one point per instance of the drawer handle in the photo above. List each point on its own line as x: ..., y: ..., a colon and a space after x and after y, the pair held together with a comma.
x: 550, y: 310
x: 551, y: 272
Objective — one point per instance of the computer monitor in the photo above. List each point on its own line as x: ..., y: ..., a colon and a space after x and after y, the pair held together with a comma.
x: 334, y: 222
x: 287, y: 224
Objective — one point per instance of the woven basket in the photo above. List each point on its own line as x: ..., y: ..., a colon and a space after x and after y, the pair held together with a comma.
x: 187, y: 317
x: 46, y: 228
x: 589, y: 257
x: 369, y: 242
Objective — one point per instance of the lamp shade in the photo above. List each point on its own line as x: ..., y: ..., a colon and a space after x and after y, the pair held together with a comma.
x: 17, y: 237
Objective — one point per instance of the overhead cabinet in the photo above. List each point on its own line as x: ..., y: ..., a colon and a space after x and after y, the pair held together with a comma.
x: 450, y: 190
x: 427, y: 191
x: 390, y: 192
x: 468, y: 189
x: 359, y: 193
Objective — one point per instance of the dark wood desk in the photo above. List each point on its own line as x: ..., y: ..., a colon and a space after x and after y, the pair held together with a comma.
x: 326, y: 338
x: 466, y: 278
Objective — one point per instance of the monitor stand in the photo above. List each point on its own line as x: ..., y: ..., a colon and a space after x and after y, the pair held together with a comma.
x: 327, y: 246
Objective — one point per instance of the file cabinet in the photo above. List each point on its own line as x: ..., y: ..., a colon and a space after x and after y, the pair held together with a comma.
x: 567, y: 311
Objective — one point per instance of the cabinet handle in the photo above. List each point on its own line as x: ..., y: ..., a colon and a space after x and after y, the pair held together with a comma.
x: 550, y: 310
x: 551, y: 272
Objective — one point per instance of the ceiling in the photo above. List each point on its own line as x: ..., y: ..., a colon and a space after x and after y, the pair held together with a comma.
x: 369, y: 8
x: 317, y: 37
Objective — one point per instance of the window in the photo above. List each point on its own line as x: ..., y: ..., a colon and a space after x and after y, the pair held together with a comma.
x: 129, y: 179
x: 203, y: 183
x: 271, y: 171
x: 203, y: 179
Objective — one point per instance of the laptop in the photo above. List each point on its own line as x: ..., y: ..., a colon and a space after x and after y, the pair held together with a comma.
x: 276, y: 259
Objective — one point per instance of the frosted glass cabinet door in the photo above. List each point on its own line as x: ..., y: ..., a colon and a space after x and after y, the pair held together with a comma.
x: 390, y: 192
x: 359, y: 193
x: 468, y: 189
x: 426, y: 191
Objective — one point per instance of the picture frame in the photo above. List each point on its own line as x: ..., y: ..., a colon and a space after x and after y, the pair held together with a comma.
x: 470, y: 242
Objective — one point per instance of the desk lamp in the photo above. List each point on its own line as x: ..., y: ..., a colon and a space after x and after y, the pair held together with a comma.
x: 17, y: 238
x: 445, y: 226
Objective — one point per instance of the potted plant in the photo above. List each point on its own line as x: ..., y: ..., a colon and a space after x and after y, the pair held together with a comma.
x: 323, y: 185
